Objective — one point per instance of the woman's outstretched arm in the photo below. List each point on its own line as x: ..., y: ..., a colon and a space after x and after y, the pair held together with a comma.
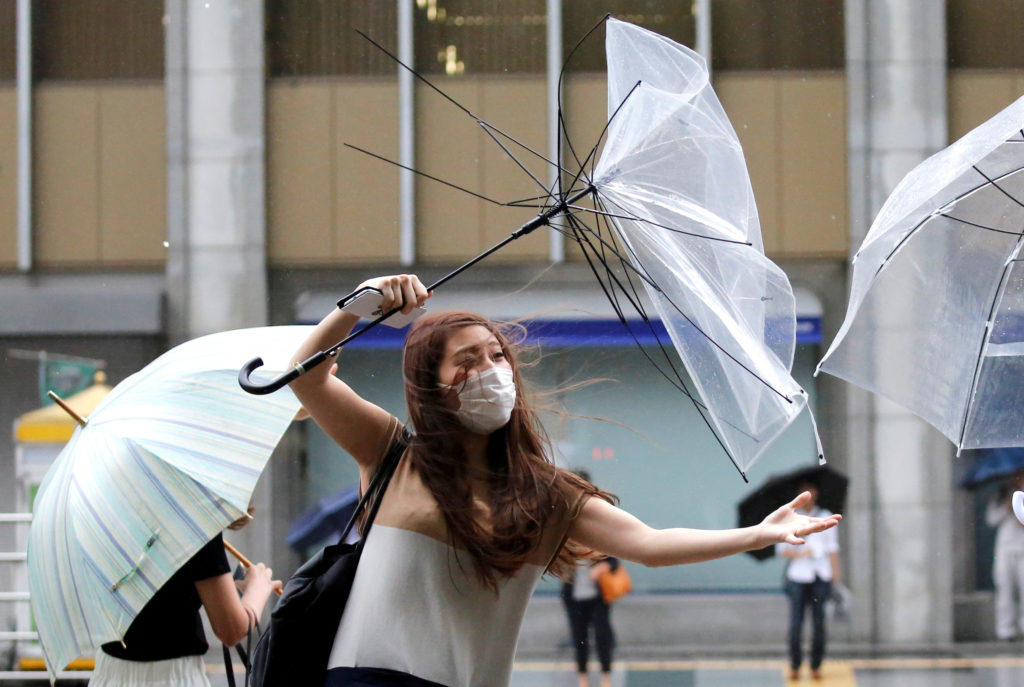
x: 610, y: 530
x: 357, y: 425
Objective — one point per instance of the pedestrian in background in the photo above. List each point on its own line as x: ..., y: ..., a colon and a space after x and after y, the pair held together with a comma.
x: 587, y: 608
x: 813, y: 569
x: 1008, y: 560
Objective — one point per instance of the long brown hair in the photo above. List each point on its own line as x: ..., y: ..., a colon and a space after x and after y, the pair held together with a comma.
x: 526, y: 489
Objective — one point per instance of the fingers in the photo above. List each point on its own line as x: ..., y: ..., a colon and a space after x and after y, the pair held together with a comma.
x: 420, y: 290
x: 401, y: 291
x: 800, y: 501
x: 277, y: 586
x: 409, y: 297
x: 818, y: 525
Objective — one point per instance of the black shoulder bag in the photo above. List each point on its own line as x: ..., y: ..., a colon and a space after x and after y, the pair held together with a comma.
x: 297, y: 643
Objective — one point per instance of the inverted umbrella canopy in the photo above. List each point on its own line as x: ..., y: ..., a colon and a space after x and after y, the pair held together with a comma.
x: 167, y: 460
x: 779, y: 490
x: 995, y: 464
x: 672, y: 179
x: 936, y: 314
x: 672, y: 207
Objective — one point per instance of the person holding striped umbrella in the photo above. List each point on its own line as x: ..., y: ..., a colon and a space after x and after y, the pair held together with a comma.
x: 126, y: 543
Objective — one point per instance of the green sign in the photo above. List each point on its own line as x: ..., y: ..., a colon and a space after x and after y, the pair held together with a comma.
x: 63, y: 377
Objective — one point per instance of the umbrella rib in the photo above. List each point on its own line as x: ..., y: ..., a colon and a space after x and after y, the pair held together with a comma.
x: 487, y: 130
x: 984, y: 342
x: 453, y: 101
x: 604, y: 129
x: 980, y: 226
x: 612, y: 277
x: 701, y: 408
x: 563, y: 130
x: 655, y: 224
x: 696, y: 326
x: 1000, y: 188
x: 504, y: 134
x: 428, y: 176
x: 638, y: 304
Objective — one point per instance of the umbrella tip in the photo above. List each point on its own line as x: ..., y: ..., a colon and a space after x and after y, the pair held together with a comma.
x: 67, y: 409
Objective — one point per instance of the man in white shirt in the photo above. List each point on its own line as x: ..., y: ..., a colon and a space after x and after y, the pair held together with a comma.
x: 1008, y: 563
x: 813, y: 568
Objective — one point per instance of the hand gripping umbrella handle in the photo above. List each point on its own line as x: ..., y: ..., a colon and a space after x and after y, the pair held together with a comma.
x: 273, y: 385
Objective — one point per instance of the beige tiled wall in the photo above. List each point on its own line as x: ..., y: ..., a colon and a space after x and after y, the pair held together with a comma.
x: 100, y: 164
x: 976, y: 95
x: 132, y: 175
x: 66, y: 175
x: 99, y: 196
x: 100, y: 161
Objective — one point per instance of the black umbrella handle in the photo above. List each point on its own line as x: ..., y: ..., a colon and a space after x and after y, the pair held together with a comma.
x: 273, y: 385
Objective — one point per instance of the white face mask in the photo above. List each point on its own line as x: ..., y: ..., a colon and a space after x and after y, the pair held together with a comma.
x: 487, y: 400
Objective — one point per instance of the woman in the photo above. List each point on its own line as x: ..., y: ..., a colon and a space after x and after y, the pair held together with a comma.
x: 812, y: 570
x: 476, y: 510
x: 165, y: 644
x: 587, y: 608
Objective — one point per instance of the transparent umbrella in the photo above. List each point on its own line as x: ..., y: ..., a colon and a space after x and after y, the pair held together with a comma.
x: 666, y: 219
x: 936, y: 314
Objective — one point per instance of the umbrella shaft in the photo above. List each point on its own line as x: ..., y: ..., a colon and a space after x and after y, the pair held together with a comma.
x: 539, y: 220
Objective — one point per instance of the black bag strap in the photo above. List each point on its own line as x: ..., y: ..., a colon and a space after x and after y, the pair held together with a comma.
x: 379, y: 483
x: 243, y: 655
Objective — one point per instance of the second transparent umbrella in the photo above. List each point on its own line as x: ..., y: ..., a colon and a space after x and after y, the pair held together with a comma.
x: 936, y: 314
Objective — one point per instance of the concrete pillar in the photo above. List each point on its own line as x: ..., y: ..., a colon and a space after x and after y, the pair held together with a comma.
x: 216, y: 265
x: 900, y: 510
x: 216, y: 224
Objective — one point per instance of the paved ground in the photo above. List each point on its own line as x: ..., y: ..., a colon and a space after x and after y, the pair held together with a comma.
x: 1006, y: 671
x: 988, y: 671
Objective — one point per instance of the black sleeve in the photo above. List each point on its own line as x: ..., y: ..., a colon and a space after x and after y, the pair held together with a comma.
x: 209, y: 561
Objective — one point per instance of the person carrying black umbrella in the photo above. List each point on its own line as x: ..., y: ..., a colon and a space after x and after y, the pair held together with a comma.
x: 1008, y: 560
x: 813, y: 569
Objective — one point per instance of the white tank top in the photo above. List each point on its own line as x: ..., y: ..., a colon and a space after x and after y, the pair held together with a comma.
x: 416, y: 604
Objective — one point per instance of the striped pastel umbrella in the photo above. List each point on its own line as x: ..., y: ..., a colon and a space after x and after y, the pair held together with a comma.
x: 166, y: 461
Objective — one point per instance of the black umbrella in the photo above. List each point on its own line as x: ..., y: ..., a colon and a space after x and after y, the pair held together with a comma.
x: 779, y: 490
x: 994, y: 465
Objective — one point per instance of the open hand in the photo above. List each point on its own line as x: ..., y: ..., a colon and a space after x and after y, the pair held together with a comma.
x: 786, y: 525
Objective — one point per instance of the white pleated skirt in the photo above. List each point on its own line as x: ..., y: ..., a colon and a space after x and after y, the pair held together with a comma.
x: 187, y: 671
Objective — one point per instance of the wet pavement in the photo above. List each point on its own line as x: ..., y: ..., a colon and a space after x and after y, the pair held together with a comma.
x: 1005, y: 671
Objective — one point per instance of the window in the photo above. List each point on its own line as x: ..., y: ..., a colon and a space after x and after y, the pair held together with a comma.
x: 984, y: 34
x: 319, y: 38
x: 777, y: 34
x: 98, y: 39
x: 481, y: 36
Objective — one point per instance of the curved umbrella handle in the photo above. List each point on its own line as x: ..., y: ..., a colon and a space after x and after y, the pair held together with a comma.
x: 275, y: 384
x: 1018, y: 505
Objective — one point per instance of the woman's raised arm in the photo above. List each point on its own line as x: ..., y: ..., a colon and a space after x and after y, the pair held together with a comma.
x: 610, y: 530
x: 357, y: 425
